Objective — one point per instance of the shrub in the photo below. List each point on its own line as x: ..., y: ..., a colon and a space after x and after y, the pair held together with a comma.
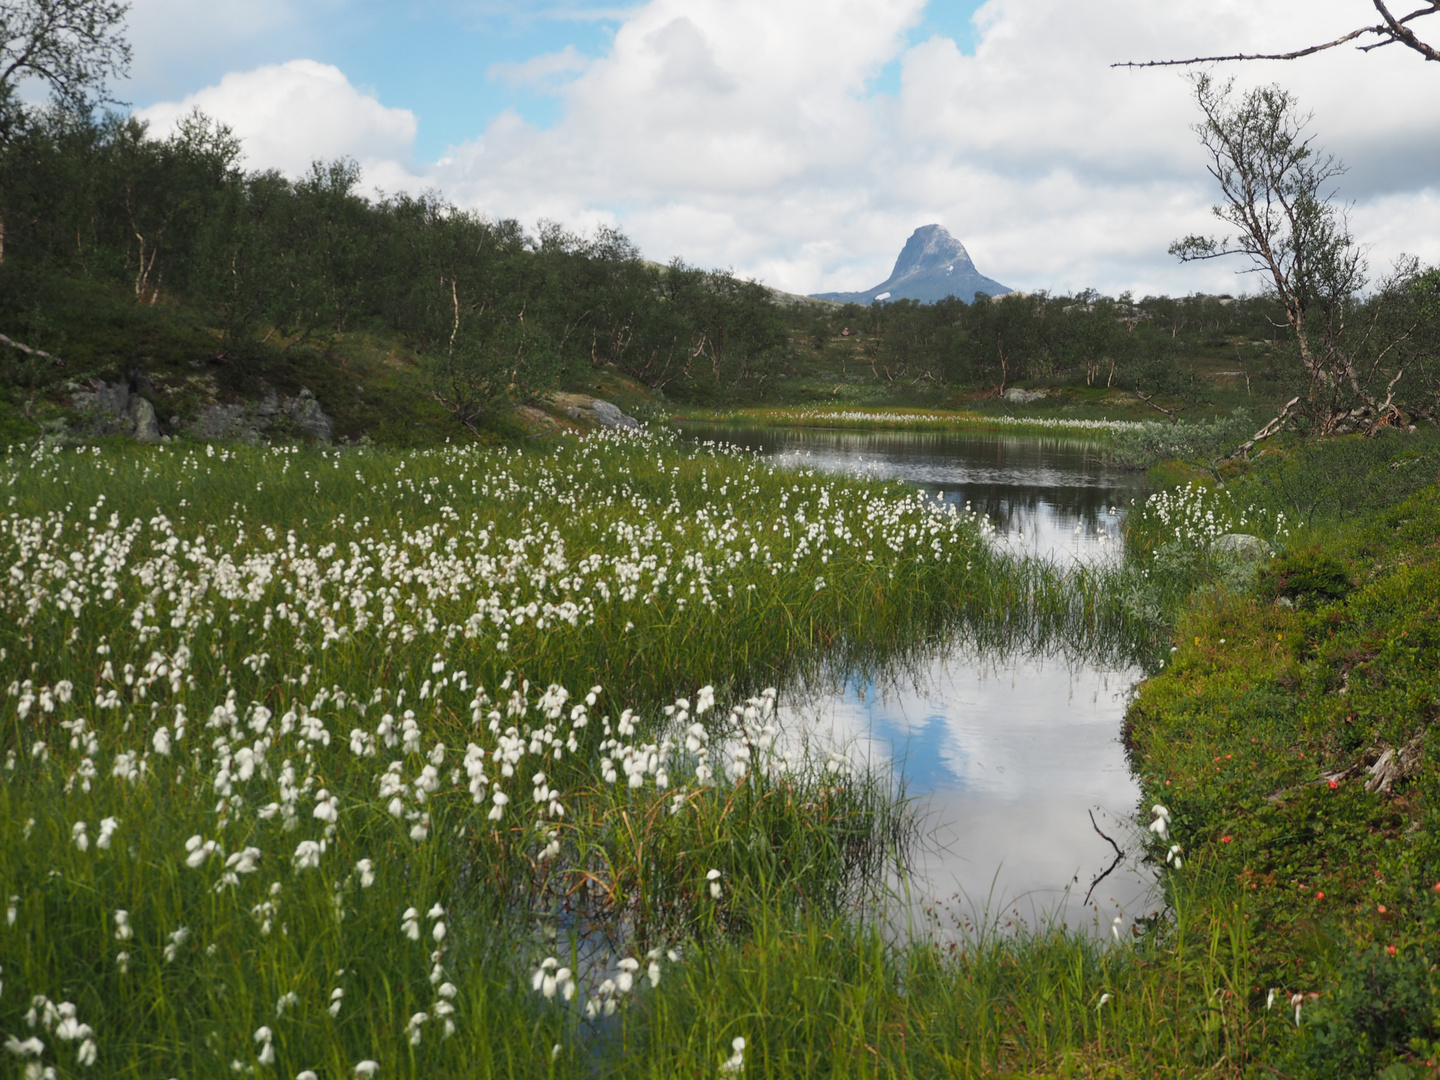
x: 1308, y: 579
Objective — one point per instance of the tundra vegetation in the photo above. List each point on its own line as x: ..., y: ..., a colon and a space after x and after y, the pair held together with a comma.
x: 411, y: 319
x: 460, y: 757
x: 445, y: 759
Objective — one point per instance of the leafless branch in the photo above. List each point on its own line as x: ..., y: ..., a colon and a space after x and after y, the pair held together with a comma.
x: 1392, y: 30
x: 1119, y: 857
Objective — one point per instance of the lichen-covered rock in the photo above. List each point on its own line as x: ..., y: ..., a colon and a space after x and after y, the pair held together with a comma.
x: 147, y: 424
x: 307, y: 415
x: 253, y: 421
x: 595, y: 411
x: 106, y: 400
x: 222, y: 422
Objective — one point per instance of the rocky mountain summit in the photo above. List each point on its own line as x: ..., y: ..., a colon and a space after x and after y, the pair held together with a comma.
x: 931, y: 266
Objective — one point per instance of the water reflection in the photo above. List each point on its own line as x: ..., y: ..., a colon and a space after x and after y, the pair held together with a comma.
x: 1008, y: 752
x: 1048, y: 496
x: 1007, y: 757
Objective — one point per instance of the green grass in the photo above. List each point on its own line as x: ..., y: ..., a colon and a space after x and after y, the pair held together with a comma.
x: 306, y: 615
x: 1283, y: 687
x: 208, y: 646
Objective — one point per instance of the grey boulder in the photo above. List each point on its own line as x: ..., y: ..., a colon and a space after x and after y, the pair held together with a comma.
x: 147, y: 424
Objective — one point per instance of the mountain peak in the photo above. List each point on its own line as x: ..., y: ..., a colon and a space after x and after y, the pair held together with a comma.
x: 931, y: 247
x: 932, y: 265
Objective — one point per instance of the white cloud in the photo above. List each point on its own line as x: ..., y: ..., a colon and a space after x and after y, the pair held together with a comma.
x: 540, y: 70
x: 294, y: 113
x: 744, y: 133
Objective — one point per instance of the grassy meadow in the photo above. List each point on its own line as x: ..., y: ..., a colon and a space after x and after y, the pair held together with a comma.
x: 315, y: 758
x: 463, y: 762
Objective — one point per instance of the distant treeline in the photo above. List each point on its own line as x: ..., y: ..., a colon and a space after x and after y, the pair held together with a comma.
x: 498, y: 315
x: 1150, y: 346
x: 495, y: 313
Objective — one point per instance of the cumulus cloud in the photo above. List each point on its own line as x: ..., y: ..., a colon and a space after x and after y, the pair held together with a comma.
x: 746, y: 133
x: 294, y: 113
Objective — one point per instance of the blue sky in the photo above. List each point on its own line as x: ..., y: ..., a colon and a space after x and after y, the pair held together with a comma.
x: 438, y: 57
x: 799, y: 141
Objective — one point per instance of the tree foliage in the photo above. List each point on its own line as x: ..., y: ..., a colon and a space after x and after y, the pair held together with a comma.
x: 497, y: 315
x: 71, y: 47
x: 1276, y: 191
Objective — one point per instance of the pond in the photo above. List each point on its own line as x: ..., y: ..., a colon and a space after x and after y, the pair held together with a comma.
x: 1007, y: 756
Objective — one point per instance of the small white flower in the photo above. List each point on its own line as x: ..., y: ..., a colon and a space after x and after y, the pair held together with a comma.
x: 713, y: 877
x: 736, y: 1062
x: 200, y: 849
x: 417, y: 1021
x: 285, y: 1001
x: 31, y: 1047
x: 263, y: 1036
x: 122, y: 961
x: 307, y: 1074
x: 1101, y: 1004
x: 122, y: 925
x: 410, y: 924
x: 177, y: 939
x: 366, y: 1069
x: 1297, y: 1000
x: 1115, y: 925
x: 307, y: 855
x: 77, y: 831
x: 107, y: 830
x: 367, y: 873
x: 625, y: 981
x: 337, y: 999
x: 543, y: 980
x: 1270, y: 998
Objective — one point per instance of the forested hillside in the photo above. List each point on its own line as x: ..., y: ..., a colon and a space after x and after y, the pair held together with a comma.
x: 126, y: 254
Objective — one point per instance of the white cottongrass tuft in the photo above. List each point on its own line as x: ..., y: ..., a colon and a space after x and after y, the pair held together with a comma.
x: 307, y: 855
x: 1161, y: 825
x: 736, y: 1061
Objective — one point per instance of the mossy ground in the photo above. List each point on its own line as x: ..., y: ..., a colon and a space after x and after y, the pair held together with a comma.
x: 1256, y: 736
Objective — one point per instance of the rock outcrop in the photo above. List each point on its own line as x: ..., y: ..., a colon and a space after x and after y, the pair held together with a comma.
x: 593, y: 410
x: 124, y: 407
x: 128, y: 407
x: 272, y: 416
x: 931, y: 266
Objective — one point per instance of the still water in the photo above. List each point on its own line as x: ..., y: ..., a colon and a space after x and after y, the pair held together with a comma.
x: 1007, y: 756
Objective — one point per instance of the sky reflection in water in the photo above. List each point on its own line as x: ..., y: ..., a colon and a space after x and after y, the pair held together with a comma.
x: 1006, y: 755
x: 1036, y: 491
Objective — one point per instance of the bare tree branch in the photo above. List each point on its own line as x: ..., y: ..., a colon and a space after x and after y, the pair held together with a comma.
x: 1390, y: 31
